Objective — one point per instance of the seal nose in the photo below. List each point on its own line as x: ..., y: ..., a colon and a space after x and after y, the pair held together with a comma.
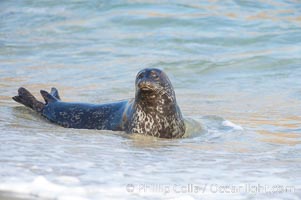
x: 142, y: 84
x: 145, y: 85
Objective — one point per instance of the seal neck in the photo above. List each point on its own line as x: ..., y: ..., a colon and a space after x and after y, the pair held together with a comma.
x: 153, y: 99
x: 158, y: 118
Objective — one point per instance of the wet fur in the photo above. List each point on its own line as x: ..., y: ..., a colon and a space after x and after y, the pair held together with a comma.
x: 154, y: 110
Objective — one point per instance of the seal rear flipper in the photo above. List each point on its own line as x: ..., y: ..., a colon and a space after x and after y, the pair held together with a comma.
x: 49, y: 98
x: 27, y: 99
x: 54, y: 92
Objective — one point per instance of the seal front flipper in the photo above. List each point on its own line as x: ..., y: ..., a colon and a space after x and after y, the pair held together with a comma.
x: 27, y: 99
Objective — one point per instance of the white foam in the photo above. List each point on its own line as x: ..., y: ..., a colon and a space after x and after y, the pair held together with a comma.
x: 232, y: 125
x: 43, y: 188
x: 68, y: 180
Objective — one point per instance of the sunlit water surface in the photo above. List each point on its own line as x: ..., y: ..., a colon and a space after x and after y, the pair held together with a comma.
x: 235, y: 67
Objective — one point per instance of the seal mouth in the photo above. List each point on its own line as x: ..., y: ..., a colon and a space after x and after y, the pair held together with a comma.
x: 146, y: 89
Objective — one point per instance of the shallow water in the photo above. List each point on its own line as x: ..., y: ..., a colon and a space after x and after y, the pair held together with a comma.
x: 235, y: 67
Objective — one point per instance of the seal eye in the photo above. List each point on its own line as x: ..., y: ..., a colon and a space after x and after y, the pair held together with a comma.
x: 154, y: 75
x: 141, y: 75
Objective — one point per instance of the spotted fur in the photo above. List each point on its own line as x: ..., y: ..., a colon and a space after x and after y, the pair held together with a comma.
x: 155, y: 111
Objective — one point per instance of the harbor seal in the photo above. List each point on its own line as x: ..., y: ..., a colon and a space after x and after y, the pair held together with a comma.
x: 153, y: 111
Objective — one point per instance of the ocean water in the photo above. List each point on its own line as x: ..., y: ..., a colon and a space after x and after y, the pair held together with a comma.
x: 235, y: 66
